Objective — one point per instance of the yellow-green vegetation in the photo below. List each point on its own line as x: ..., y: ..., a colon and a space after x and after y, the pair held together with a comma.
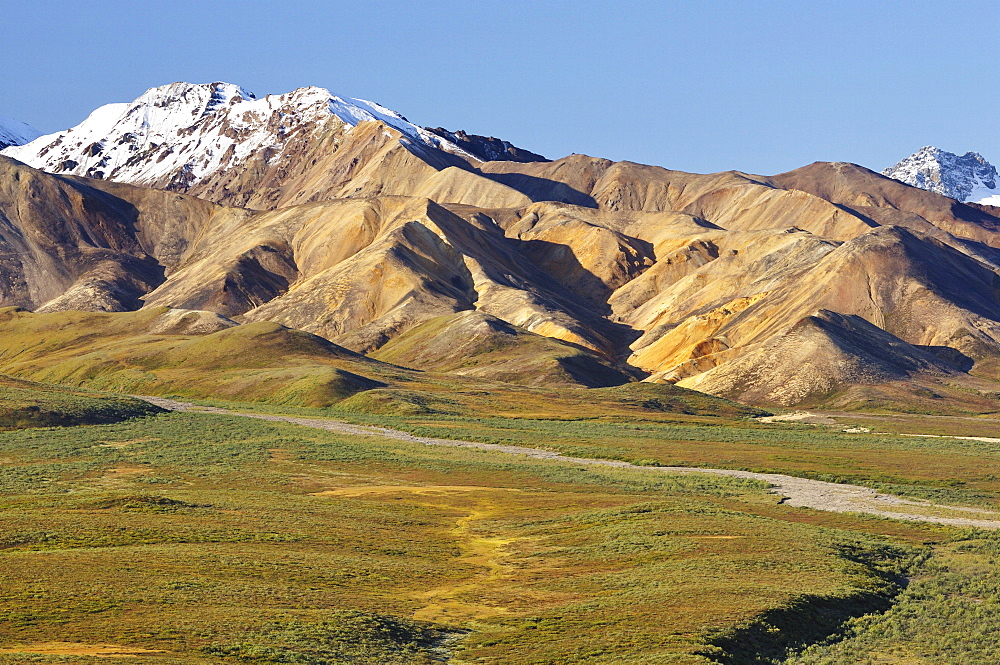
x: 197, y: 538
x: 205, y: 538
x: 118, y: 352
x: 947, y: 614
x: 266, y: 362
x: 984, y: 425
x: 942, y: 469
x: 343, y: 637
x: 29, y: 404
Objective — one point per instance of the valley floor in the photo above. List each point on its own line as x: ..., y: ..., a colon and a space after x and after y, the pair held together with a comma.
x: 204, y: 536
x: 802, y: 492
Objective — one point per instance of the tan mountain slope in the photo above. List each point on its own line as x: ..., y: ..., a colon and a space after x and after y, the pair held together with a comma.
x: 716, y: 299
x: 567, y: 180
x: 821, y: 353
x: 835, y: 200
x: 475, y: 344
x: 582, y: 249
x: 360, y: 271
x: 888, y: 201
x: 917, y: 289
x: 731, y: 200
x: 456, y: 185
x: 332, y: 160
x: 660, y: 272
x: 68, y: 243
x: 410, y: 260
x: 356, y: 270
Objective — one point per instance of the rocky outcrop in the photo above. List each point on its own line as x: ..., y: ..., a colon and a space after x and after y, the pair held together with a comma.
x: 487, y: 148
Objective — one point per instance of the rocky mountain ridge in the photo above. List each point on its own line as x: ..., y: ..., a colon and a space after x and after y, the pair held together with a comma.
x: 967, y: 177
x: 488, y: 148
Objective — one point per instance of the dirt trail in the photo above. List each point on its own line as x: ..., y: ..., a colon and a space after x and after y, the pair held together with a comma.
x: 799, y: 492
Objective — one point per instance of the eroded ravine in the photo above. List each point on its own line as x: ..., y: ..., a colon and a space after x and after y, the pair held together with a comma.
x: 798, y: 492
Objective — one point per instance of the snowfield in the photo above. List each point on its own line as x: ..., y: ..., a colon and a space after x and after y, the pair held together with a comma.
x: 14, y: 132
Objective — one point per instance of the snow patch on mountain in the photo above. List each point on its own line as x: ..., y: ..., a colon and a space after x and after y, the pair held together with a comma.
x: 179, y: 133
x: 14, y: 132
x: 967, y: 177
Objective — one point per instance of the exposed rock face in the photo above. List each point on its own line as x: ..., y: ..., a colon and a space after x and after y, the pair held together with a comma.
x: 966, y: 177
x: 487, y: 148
x: 579, y: 271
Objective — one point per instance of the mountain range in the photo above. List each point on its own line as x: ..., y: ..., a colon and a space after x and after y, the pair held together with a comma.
x: 443, y: 251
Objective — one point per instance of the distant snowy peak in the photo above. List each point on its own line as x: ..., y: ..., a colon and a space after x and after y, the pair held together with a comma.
x: 966, y: 177
x: 178, y: 134
x: 15, y: 132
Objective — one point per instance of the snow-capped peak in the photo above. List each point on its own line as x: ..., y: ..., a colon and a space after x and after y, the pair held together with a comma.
x: 181, y: 133
x: 205, y: 99
x: 15, y: 132
x: 967, y: 177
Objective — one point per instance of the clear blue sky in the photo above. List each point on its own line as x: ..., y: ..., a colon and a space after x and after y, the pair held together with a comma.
x: 757, y: 86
